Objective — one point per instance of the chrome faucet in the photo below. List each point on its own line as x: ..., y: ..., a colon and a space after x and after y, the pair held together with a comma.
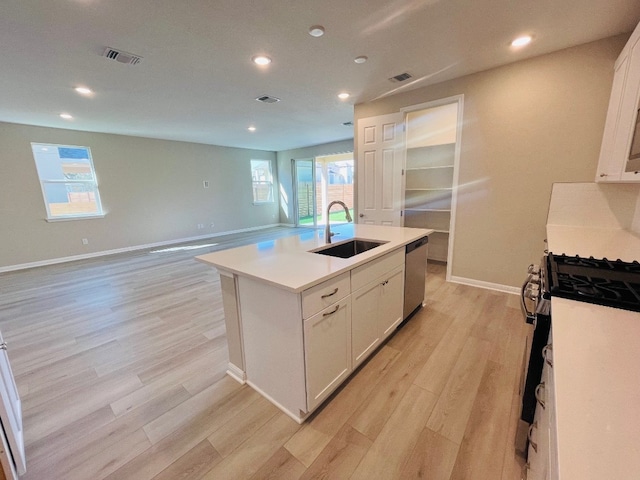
x: 327, y: 231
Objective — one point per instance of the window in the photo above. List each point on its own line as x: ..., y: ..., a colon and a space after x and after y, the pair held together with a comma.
x: 68, y: 181
x: 262, y: 181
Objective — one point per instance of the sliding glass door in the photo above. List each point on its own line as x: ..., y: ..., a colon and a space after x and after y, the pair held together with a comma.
x: 335, y: 180
x: 319, y: 181
x: 304, y: 189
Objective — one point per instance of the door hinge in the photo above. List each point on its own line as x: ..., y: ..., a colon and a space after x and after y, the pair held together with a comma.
x: 400, y: 212
x: 403, y: 171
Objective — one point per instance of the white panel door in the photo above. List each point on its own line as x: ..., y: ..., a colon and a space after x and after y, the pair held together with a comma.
x: 11, y: 410
x: 379, y: 169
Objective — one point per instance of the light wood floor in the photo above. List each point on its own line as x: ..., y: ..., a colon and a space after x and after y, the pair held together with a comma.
x: 120, y: 364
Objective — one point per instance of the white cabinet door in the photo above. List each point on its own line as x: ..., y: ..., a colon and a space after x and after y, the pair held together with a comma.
x: 609, y: 166
x: 621, y: 116
x: 391, y: 302
x: 11, y: 410
x: 364, y: 317
x: 327, y: 338
x: 380, y: 159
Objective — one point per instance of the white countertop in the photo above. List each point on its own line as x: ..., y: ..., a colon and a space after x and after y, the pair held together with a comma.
x: 288, y: 263
x: 596, y: 368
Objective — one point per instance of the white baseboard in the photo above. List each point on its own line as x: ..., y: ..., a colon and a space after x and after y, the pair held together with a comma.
x: 298, y: 418
x: 236, y: 373
x: 84, y: 256
x: 482, y: 284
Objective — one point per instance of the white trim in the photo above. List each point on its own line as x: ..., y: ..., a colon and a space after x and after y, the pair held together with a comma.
x: 455, y: 184
x: 486, y: 285
x: 84, y: 256
x: 77, y: 217
x: 298, y: 418
x: 236, y: 373
x: 434, y: 103
x: 459, y: 99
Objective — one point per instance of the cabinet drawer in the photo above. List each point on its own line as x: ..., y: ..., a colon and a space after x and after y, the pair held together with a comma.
x: 321, y: 296
x: 364, y: 274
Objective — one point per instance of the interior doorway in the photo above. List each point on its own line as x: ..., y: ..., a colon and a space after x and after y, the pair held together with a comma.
x: 319, y: 181
x: 432, y: 157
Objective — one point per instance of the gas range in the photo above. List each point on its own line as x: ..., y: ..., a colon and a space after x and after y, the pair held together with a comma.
x: 611, y: 283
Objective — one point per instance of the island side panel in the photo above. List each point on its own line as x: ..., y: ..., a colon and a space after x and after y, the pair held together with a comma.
x: 272, y: 331
x: 228, y: 287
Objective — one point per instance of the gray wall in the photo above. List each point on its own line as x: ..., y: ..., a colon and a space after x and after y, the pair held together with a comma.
x: 151, y: 191
x: 526, y: 125
x: 285, y: 171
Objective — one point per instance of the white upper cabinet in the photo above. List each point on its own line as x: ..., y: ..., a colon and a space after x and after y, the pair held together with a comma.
x: 618, y: 143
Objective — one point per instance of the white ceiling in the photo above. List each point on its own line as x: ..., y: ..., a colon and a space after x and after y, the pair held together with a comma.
x: 196, y: 81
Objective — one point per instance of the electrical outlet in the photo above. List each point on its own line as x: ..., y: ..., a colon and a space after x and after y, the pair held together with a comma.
x: 200, y: 226
x: 85, y: 241
x: 205, y: 183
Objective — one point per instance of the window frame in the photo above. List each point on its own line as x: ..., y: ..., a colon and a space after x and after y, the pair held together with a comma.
x: 268, y: 182
x: 93, y: 184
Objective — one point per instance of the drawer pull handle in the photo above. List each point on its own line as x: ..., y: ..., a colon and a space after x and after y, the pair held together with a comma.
x: 328, y: 314
x: 547, y: 349
x: 537, y: 393
x: 326, y: 295
x: 533, y: 444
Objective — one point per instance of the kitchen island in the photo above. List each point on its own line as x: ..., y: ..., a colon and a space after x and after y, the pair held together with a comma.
x: 299, y: 322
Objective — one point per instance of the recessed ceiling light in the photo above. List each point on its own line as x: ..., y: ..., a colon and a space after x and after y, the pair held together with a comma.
x: 361, y: 59
x: 343, y: 96
x: 522, y: 41
x: 252, y: 129
x: 83, y: 90
x: 316, y: 31
x: 261, y: 60
x: 66, y: 116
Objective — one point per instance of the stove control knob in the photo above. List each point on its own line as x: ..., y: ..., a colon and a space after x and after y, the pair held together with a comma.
x: 532, y: 292
x: 535, y: 269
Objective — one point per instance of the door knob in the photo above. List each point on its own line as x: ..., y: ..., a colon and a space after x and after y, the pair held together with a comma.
x: 361, y: 215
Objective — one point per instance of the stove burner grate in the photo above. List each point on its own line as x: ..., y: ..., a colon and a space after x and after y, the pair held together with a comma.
x: 599, y: 281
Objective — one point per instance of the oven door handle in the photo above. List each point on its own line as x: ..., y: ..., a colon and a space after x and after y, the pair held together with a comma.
x: 530, y: 317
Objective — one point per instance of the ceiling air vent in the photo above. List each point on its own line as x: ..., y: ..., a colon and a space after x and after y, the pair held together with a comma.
x: 122, y: 57
x: 267, y: 99
x: 401, y: 78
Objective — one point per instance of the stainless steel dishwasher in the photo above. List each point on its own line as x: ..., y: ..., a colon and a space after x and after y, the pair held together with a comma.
x: 414, y: 275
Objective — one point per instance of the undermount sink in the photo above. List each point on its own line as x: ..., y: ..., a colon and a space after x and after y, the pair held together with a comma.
x: 349, y: 248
